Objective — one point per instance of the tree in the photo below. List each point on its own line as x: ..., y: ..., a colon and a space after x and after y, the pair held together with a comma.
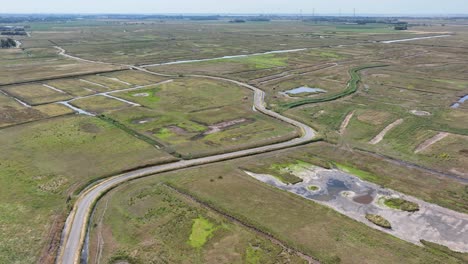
x: 7, y: 43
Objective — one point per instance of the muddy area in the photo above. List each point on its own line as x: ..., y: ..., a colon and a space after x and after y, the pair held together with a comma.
x: 364, y: 199
x: 224, y: 125
x: 355, y: 198
x: 178, y: 130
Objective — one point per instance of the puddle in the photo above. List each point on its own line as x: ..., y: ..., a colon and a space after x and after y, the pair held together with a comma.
x: 333, y: 189
x: 141, y: 95
x: 364, y: 199
x: 459, y: 102
x: 304, y: 89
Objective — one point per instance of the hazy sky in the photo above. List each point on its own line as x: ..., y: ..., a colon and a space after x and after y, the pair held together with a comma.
x: 237, y: 6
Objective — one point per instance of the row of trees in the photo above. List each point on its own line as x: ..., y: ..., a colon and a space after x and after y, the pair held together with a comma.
x: 7, y: 43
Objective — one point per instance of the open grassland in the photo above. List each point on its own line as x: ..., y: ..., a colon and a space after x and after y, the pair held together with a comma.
x: 135, y: 77
x: 75, y: 87
x: 30, y: 64
x: 99, y: 104
x: 141, y: 223
x: 161, y: 41
x: 35, y: 94
x: 302, y: 224
x: 12, y: 112
x: 42, y: 163
x: 195, y: 117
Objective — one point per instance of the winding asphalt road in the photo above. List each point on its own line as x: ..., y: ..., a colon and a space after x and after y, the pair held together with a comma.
x: 75, y: 227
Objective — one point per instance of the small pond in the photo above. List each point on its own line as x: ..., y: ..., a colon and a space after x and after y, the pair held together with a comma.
x: 460, y: 101
x: 304, y: 89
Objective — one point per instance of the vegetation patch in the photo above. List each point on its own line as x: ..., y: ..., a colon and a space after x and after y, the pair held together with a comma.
x: 363, y: 175
x: 313, y: 188
x: 202, y: 230
x: 401, y: 204
x: 285, y: 171
x: 379, y: 220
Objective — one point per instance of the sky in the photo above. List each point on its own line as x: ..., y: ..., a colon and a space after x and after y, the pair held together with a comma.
x: 434, y: 7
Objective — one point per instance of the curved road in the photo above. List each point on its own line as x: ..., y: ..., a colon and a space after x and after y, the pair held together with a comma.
x: 75, y: 227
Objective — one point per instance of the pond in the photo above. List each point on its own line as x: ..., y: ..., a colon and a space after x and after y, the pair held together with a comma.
x: 304, y: 89
x: 460, y: 101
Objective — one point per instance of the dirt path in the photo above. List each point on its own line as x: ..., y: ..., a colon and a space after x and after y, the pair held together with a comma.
x: 345, y: 123
x: 382, y: 133
x: 431, y: 141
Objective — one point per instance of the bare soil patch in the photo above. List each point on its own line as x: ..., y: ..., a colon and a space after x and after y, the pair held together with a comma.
x: 224, y: 125
x: 382, y: 134
x: 431, y: 141
x: 346, y: 122
x: 420, y: 113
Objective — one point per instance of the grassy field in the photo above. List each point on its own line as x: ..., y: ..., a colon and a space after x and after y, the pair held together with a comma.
x: 152, y: 223
x: 45, y: 158
x: 196, y: 117
x: 36, y: 94
x: 35, y: 63
x: 303, y: 224
x: 100, y: 104
x: 42, y: 163
x: 15, y: 113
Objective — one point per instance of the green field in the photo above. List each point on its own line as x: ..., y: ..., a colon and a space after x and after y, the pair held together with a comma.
x: 43, y: 163
x: 217, y: 213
